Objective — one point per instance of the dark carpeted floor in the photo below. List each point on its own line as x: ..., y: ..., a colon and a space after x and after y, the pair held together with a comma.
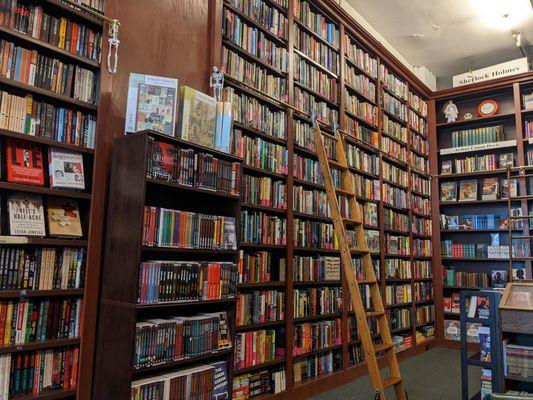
x: 433, y: 375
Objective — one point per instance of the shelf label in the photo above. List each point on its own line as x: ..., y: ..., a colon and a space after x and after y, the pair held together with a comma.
x: 530, y: 140
x: 478, y: 147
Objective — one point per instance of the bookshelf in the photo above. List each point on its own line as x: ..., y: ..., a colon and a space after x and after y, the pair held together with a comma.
x: 473, y: 271
x: 383, y: 114
x: 81, y: 342
x: 124, y: 304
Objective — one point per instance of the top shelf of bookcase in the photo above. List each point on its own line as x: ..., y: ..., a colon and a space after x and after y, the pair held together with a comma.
x: 78, y: 13
x: 464, y: 122
x: 183, y: 143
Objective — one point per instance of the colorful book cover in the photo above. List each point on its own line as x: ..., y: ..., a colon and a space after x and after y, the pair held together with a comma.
x: 26, y: 215
x: 24, y: 163
x: 448, y: 191
x: 63, y: 218
x: 484, y: 343
x: 220, y: 388
x: 490, y: 189
x: 483, y: 307
x: 468, y: 190
x: 66, y: 169
x: 163, y: 161
x: 197, y: 117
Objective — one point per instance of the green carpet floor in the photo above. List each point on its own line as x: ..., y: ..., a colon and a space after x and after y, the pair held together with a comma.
x: 433, y: 375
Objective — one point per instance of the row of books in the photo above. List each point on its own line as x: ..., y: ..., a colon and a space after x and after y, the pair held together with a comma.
x: 264, y: 191
x: 64, y: 33
x: 260, y: 306
x: 369, y: 213
x: 259, y: 227
x: 397, y: 244
x: 308, y: 104
x: 398, y: 294
x: 454, y: 277
x: 420, y: 184
x: 425, y: 314
x: 316, y: 365
x: 420, y: 163
x: 171, y: 281
x: 528, y: 130
x: 313, y: 202
x: 317, y: 301
x: 361, y: 109
x: 482, y: 250
x: 393, y: 83
x: 39, y: 372
x: 256, y: 383
x: 421, y: 226
x: 397, y: 268
x: 316, y: 50
x: 314, y: 234
x: 260, y: 267
x: 418, y: 104
x: 400, y: 318
x: 476, y: 221
x: 316, y: 268
x: 362, y: 133
x: 208, y: 381
x: 422, y: 269
x: 469, y: 191
x: 254, y: 41
x: 41, y: 268
x: 361, y: 160
x: 419, y: 144
x: 486, y: 162
x: 487, y: 134
x: 308, y: 170
x: 37, y: 320
x: 395, y: 220
x: 182, y: 229
x: 159, y: 341
x: 395, y: 196
x: 253, y: 75
x: 423, y: 291
x: 261, y: 153
x: 360, y: 57
x: 394, y: 129
x: 367, y: 188
x: 421, y: 205
x: 394, y: 106
x: 314, y: 336
x: 395, y: 174
x: 96, y: 5
x: 316, y: 22
x: 517, y: 360
x: 258, y: 347
x: 315, y: 79
x: 253, y: 114
x: 422, y: 247
x: 417, y: 123
x: 394, y: 149
x: 190, y: 168
x: 263, y: 14
x: 34, y: 69
x: 32, y: 117
x: 360, y: 83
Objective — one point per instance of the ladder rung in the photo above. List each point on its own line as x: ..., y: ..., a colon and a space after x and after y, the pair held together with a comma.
x: 328, y: 135
x: 374, y: 313
x: 367, y: 282
x: 522, y: 237
x: 522, y: 176
x: 346, y: 193
x: 351, y: 221
x: 338, y: 165
x: 382, y: 347
x: 359, y: 251
x: 524, y: 197
x: 390, y: 381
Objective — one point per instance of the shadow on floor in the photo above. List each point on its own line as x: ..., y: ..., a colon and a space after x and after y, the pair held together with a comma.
x: 433, y: 375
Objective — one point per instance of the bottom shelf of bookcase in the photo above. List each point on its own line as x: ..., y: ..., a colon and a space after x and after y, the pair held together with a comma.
x: 57, y: 394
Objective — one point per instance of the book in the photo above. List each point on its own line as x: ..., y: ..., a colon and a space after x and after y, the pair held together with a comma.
x: 448, y: 191
x: 519, y: 272
x: 332, y: 268
x: 151, y: 104
x: 446, y: 167
x: 490, y: 189
x: 197, y: 117
x: 486, y: 384
x: 63, y: 218
x: 24, y: 162
x: 472, y: 307
x: 484, y: 343
x: 468, y: 190
x: 65, y: 169
x: 511, y: 188
x: 499, y: 278
x: 506, y: 160
x: 221, y: 383
x: 26, y: 215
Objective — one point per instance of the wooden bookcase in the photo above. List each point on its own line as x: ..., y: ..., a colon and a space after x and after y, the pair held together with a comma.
x: 507, y: 92
x: 119, y: 308
x: 85, y: 341
x: 346, y: 370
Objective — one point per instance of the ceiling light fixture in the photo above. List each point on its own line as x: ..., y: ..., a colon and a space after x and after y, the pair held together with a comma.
x: 502, y: 14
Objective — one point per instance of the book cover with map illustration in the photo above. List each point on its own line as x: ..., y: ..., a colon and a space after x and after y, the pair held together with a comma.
x: 197, y: 117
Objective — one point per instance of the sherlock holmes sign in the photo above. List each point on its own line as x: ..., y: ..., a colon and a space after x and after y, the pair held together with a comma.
x: 496, y: 71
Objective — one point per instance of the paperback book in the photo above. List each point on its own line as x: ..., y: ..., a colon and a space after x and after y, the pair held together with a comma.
x: 490, y: 189
x: 24, y: 163
x: 66, y: 169
x: 63, y: 218
x: 26, y: 215
x: 448, y: 191
x: 468, y: 190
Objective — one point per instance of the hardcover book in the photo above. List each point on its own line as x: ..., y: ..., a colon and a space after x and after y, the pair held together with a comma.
x: 26, y: 215
x: 499, y: 278
x: 63, y: 218
x: 511, y: 188
x: 448, y: 191
x: 151, y: 104
x: 482, y: 304
x: 446, y: 167
x: 519, y: 272
x: 66, y: 169
x: 484, y: 343
x: 490, y: 189
x: 163, y: 162
x: 506, y: 160
x: 197, y: 117
x: 24, y: 163
x: 468, y: 190
x: 220, y: 389
x: 332, y: 268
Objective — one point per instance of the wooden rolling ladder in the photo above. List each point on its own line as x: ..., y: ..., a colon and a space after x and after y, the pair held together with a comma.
x: 371, y: 350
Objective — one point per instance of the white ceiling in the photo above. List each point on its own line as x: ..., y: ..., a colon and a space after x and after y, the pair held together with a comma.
x: 446, y: 36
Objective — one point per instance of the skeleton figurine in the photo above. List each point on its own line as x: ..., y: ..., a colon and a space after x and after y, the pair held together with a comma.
x: 113, y: 44
x: 217, y: 83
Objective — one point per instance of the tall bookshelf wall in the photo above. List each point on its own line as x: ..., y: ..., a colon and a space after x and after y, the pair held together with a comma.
x: 77, y: 346
x: 473, y: 270
x: 350, y: 91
